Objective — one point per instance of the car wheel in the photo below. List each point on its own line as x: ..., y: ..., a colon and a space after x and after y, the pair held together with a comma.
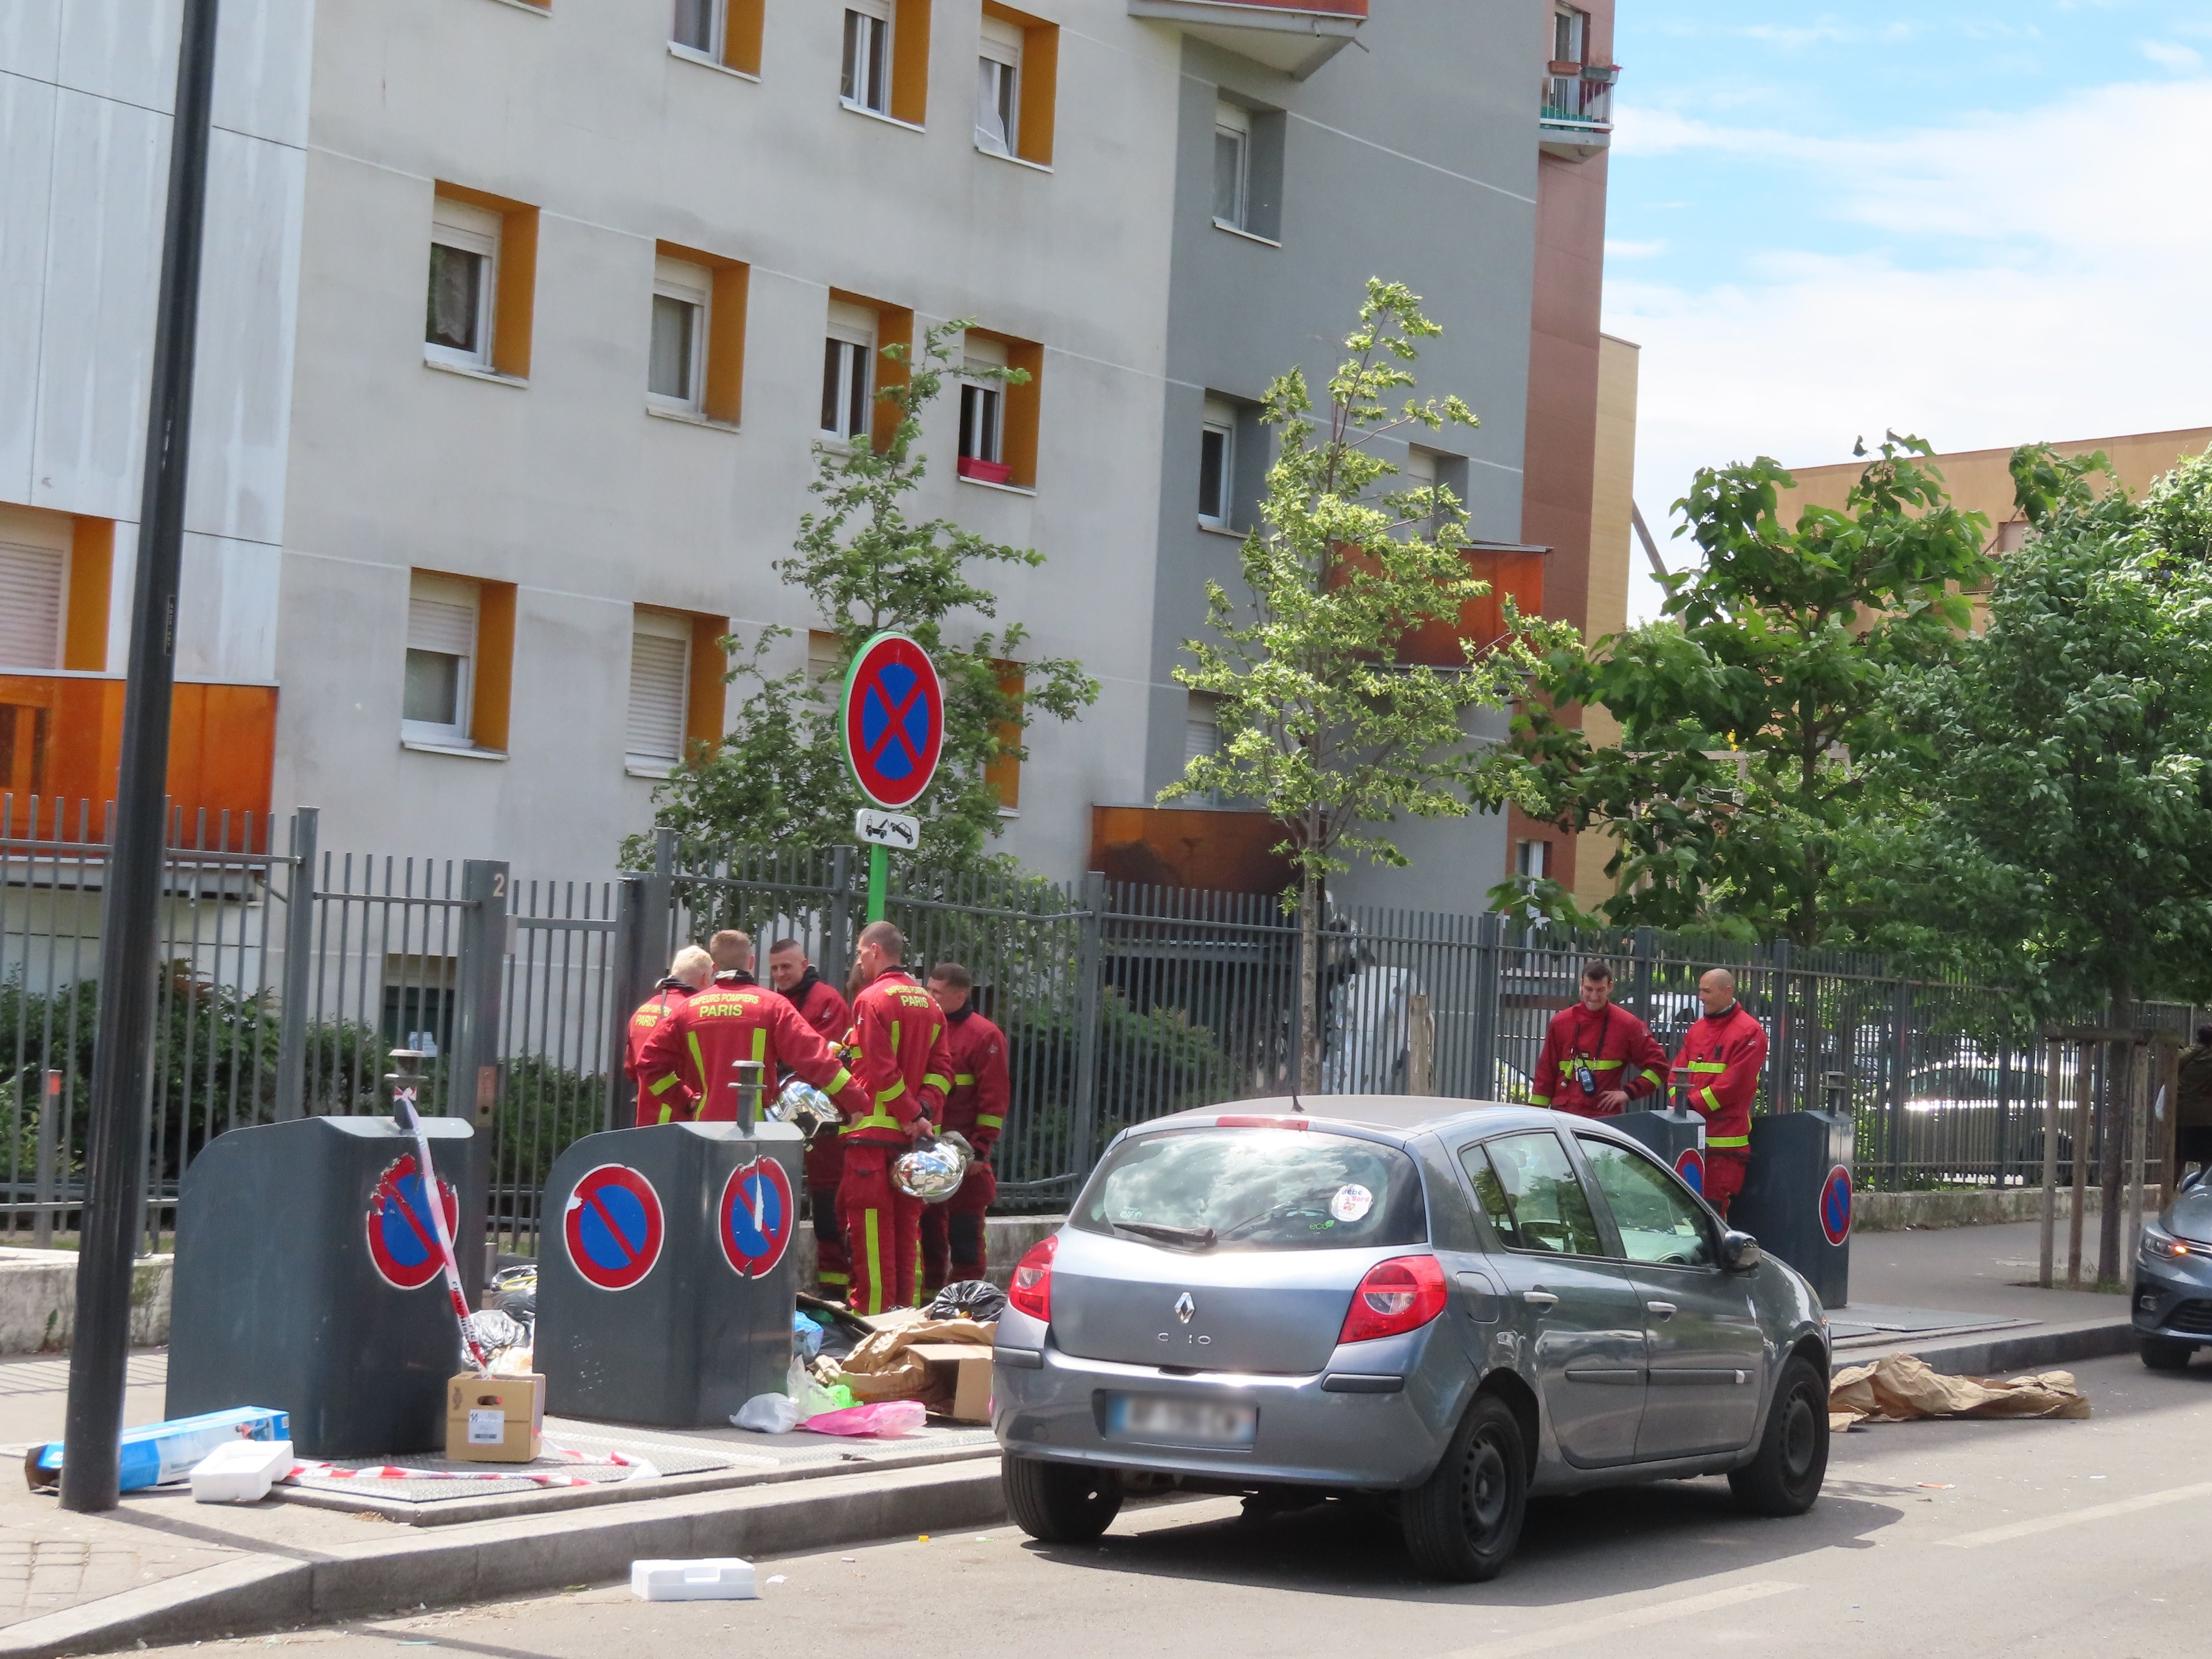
x: 1464, y: 1523
x: 1060, y: 1503
x: 1785, y: 1477
x: 2163, y: 1354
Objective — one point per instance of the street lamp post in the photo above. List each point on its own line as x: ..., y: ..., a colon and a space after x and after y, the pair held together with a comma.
x: 92, y: 1446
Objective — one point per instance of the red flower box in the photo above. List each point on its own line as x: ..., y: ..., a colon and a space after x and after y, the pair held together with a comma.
x: 985, y: 471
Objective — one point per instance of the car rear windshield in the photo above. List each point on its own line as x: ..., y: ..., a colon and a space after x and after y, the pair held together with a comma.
x: 1255, y: 1189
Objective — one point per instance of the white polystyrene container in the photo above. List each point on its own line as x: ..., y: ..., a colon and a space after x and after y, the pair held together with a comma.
x: 240, y: 1471
x: 723, y: 1579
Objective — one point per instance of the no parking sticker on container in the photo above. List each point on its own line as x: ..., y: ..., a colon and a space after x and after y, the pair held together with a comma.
x: 1690, y: 1166
x: 614, y: 1226
x: 403, y: 1240
x: 757, y: 1217
x: 1836, y: 1205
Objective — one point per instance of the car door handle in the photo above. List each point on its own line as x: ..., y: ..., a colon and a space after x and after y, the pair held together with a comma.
x: 1540, y: 1298
x: 1662, y: 1309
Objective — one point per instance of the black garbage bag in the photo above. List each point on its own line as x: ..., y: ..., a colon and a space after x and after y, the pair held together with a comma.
x: 970, y: 1298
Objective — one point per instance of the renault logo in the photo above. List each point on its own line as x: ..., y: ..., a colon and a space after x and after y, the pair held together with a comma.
x: 1185, y: 1308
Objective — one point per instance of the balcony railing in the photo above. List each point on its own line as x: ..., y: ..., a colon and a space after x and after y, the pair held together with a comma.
x: 1574, y: 117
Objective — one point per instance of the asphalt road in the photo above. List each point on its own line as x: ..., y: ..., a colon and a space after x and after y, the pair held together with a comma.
x: 1961, y: 1538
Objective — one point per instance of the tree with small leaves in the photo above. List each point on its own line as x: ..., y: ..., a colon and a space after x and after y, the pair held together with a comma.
x: 780, y: 777
x: 1323, y: 726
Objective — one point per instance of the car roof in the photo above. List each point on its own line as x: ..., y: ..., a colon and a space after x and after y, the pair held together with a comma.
x: 1405, y: 1113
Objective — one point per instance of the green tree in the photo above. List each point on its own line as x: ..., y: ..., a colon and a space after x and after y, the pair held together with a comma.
x: 1323, y: 728
x: 780, y: 775
x: 2047, y: 801
x: 1735, y: 788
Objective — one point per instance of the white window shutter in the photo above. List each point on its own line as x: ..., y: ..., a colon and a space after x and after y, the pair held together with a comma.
x: 659, y: 670
x: 31, y: 586
x: 442, y: 626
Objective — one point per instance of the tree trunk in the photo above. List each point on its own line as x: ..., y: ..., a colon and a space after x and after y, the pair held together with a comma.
x: 2113, y: 1144
x: 1309, y: 983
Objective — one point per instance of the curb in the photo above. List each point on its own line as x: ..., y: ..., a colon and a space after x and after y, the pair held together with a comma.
x: 1998, y: 1353
x: 487, y: 1560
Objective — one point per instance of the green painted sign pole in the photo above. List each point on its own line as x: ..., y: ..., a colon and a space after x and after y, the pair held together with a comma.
x: 879, y: 870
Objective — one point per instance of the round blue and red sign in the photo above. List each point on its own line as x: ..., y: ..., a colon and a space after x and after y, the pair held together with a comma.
x: 757, y: 1217
x: 1836, y: 1205
x: 402, y: 1240
x: 893, y: 721
x: 614, y: 1226
x: 1690, y: 1166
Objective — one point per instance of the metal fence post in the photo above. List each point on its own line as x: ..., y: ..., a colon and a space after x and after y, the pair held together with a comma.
x: 632, y: 964
x: 1781, y: 1091
x: 1090, y: 968
x: 472, y: 1063
x: 660, y: 897
x: 299, y: 967
x: 1896, y: 1084
x: 1640, y: 978
x: 838, y: 947
x: 49, y: 1124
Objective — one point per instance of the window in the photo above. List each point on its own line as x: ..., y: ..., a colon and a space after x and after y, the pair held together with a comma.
x: 982, y: 428
x: 847, y: 357
x: 826, y: 661
x: 1257, y: 1190
x: 442, y: 650
x: 1003, y: 772
x: 1569, y: 32
x: 1201, y: 736
x: 659, y: 687
x: 998, y: 80
x: 867, y: 77
x: 676, y: 375
x: 1232, y: 165
x: 1532, y: 860
x: 33, y: 592
x: 1657, y: 1221
x: 1217, y: 464
x: 459, y: 663
x: 725, y: 32
x: 464, y: 255
x: 1531, y: 1194
x: 698, y: 25
x: 483, y: 274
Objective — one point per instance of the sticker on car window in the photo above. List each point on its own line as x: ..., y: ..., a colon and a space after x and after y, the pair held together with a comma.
x: 1352, y: 1202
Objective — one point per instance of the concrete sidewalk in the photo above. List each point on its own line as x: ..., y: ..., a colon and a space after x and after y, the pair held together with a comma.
x: 162, y: 1568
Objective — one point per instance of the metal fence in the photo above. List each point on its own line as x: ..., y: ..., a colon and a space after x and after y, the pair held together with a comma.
x: 288, y: 972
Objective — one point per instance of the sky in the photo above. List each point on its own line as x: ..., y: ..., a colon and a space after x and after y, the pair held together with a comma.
x: 1982, y: 223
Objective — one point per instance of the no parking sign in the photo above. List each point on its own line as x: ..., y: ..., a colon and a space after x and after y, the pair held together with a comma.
x: 893, y: 721
x: 1690, y: 1166
x: 1836, y: 1205
x: 757, y: 1217
x: 614, y: 1226
x: 403, y: 1240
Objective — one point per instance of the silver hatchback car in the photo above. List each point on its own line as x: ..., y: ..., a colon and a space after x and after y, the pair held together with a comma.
x: 1448, y: 1304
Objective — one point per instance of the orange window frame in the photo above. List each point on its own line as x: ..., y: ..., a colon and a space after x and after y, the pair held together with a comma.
x: 1040, y: 81
x: 515, y: 291
x: 724, y: 395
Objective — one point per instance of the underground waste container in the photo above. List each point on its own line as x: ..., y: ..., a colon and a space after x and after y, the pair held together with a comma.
x: 665, y: 1274
x: 1677, y: 1137
x: 308, y: 1277
x: 1796, y: 1197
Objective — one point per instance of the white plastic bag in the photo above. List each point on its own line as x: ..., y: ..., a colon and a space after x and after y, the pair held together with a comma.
x: 810, y: 1397
x: 767, y: 1413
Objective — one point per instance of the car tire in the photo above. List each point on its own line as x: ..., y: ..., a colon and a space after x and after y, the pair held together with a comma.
x: 1785, y: 1478
x: 2163, y: 1354
x: 1464, y: 1523
x: 1060, y: 1503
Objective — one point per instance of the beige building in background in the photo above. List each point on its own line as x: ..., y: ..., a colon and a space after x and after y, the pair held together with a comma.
x: 1613, y: 511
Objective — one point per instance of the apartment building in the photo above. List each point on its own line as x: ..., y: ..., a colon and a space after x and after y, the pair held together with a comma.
x: 522, y: 323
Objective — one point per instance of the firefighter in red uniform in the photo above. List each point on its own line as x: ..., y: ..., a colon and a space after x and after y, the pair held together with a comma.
x: 690, y: 970
x: 737, y: 1018
x: 952, y: 1233
x: 832, y: 1016
x: 1597, y: 1058
x: 1717, y: 1074
x: 903, y: 1067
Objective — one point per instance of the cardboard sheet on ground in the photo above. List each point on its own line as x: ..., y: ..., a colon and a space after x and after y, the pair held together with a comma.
x: 1900, y: 1389
x: 886, y: 1367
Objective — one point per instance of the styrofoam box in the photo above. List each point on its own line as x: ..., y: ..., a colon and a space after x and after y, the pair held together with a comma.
x: 241, y: 1471
x: 723, y: 1579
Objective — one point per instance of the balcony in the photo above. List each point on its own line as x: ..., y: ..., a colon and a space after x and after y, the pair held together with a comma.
x: 1295, y: 37
x: 61, y: 738
x: 1574, y: 120
x: 1513, y: 572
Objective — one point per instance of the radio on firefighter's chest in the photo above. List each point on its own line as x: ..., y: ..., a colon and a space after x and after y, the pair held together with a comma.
x: 1585, y: 1077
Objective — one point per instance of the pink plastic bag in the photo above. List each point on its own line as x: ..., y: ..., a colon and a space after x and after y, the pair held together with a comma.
x: 886, y: 1420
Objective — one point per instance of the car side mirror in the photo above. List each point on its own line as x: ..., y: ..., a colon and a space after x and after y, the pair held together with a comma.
x: 1740, y: 1252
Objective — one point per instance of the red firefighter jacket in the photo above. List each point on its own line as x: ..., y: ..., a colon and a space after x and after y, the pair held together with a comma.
x: 900, y: 1061
x: 1718, y: 1073
x: 1618, y: 1048
x: 669, y: 1103
x: 700, y: 1043
x: 820, y: 1006
x: 981, y: 1089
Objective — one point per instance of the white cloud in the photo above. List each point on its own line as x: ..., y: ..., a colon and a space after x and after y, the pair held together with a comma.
x: 2171, y: 54
x: 2056, y: 291
x: 1617, y: 249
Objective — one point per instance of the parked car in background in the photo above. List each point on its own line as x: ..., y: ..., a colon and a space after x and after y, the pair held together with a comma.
x: 2172, y: 1301
x: 1441, y: 1306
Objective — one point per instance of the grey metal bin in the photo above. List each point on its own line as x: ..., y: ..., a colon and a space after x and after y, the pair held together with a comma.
x: 307, y: 1278
x: 1796, y: 1197
x: 666, y: 1277
x: 1677, y: 1137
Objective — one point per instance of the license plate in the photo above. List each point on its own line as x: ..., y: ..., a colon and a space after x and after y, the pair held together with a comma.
x: 1165, y: 1421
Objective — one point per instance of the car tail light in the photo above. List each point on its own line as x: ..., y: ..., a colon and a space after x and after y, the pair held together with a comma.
x: 1397, y: 1295
x: 1030, y: 1292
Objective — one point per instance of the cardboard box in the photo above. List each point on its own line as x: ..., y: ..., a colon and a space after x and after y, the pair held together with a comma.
x: 495, y: 1419
x: 962, y: 1369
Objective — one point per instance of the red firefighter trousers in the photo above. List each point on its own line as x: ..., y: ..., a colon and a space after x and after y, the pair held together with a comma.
x: 883, y: 1230
x: 952, y: 1233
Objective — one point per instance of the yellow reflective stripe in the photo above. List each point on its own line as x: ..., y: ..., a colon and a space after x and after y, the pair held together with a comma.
x: 1540, y: 1100
x: 837, y: 1083
x: 964, y: 1079
x: 897, y: 1089
x: 663, y: 1086
x: 895, y: 1039
x: 943, y: 1087
x: 1726, y: 1141
x: 667, y: 1113
x: 835, y: 1278
x: 875, y: 1257
x: 875, y: 1120
x: 1714, y: 1066
x: 760, y: 1044
x: 1712, y: 1100
x: 1602, y: 1065
x: 985, y: 1120
x: 1653, y: 1075
x: 697, y: 1058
